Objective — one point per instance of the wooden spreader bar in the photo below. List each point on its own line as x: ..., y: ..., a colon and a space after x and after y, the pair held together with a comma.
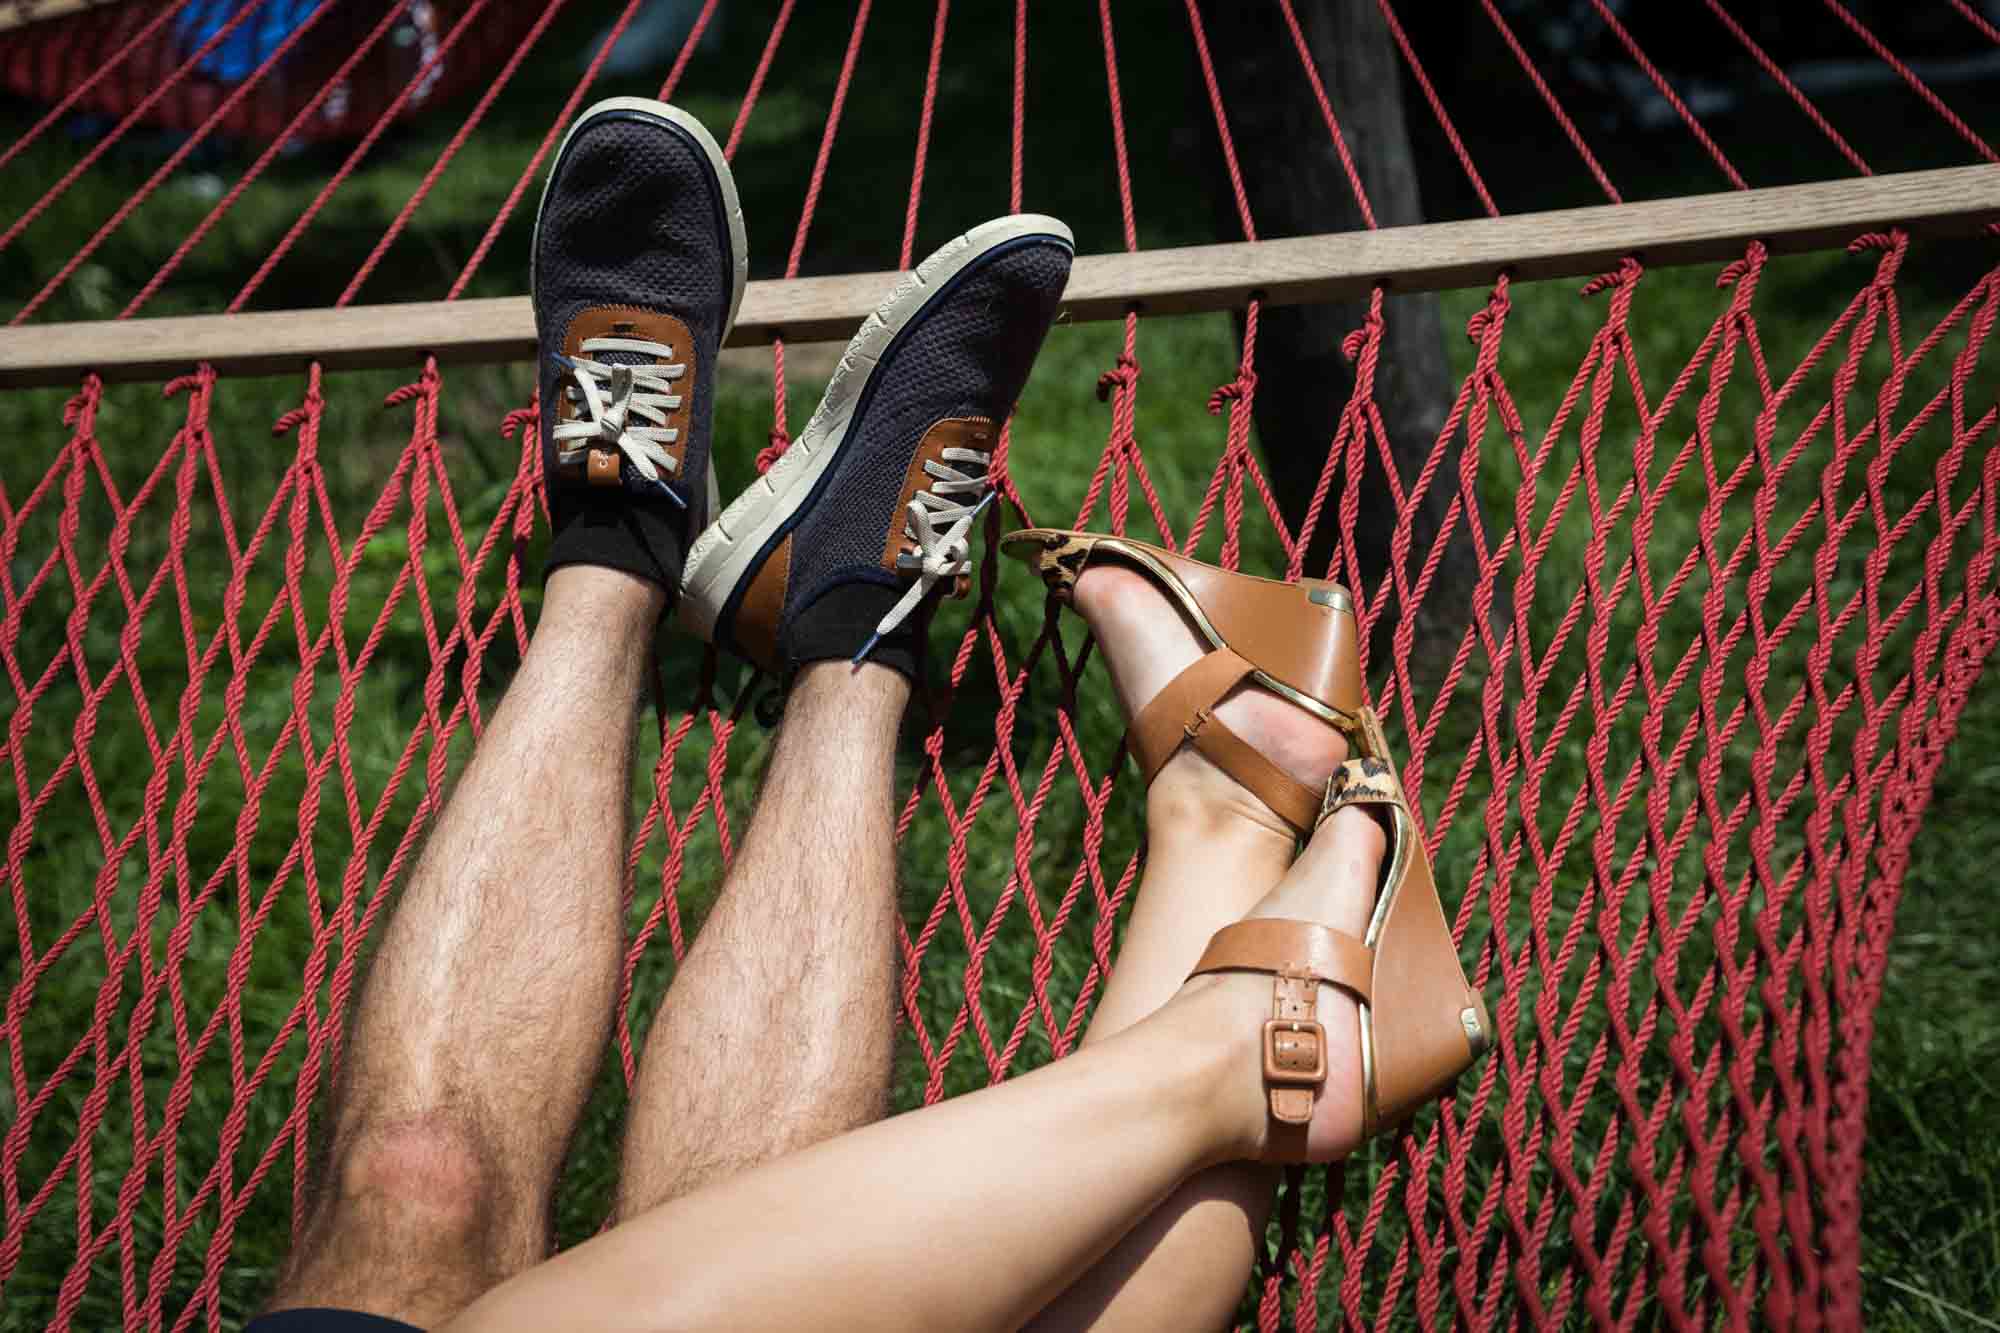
x: 1563, y: 243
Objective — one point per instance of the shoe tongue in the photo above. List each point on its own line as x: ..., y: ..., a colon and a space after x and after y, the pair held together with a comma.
x: 604, y: 358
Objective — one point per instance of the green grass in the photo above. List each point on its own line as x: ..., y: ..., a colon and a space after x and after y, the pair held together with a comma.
x: 1931, y: 1220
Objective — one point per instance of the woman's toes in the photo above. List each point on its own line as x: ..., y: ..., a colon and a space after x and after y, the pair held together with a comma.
x: 1146, y: 642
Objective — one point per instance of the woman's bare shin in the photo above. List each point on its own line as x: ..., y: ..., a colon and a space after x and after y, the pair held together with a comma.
x: 968, y: 1214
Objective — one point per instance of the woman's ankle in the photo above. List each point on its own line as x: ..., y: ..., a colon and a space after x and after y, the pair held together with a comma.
x: 1211, y: 1030
x: 1216, y: 1021
x: 1191, y: 797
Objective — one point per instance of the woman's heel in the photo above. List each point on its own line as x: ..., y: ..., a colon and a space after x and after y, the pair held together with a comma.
x: 1421, y: 1024
x: 1427, y: 1024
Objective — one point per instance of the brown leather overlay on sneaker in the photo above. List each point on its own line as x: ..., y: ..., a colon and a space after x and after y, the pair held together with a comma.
x: 951, y: 433
x: 629, y: 321
x: 755, y: 628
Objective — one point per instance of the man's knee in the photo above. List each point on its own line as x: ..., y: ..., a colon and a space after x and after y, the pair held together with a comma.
x: 432, y: 1172
x: 414, y: 1219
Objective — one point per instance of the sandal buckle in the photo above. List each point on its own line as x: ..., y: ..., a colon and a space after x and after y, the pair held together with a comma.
x: 1294, y: 1052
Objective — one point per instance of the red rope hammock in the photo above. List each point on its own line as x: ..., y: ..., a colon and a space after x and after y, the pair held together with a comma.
x: 1723, y: 725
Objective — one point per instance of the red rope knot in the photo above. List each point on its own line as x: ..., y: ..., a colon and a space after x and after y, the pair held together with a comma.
x: 1489, y: 316
x: 771, y: 452
x: 1241, y: 387
x: 1125, y: 375
x: 1737, y: 270
x: 517, y: 420
x: 1485, y: 320
x: 1358, y: 338
x: 78, y: 404
x: 1625, y: 274
x: 405, y: 394
x: 196, y: 385
x: 289, y: 421
x: 1891, y: 245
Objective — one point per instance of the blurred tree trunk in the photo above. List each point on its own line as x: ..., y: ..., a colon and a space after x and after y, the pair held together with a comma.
x: 1296, y: 185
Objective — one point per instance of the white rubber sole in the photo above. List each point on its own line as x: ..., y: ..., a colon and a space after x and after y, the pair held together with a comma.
x: 732, y: 209
x: 723, y: 556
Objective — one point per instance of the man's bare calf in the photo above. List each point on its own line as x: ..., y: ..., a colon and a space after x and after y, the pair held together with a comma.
x: 485, y: 1012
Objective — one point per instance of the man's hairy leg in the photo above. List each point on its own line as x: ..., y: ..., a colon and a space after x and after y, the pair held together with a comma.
x: 486, y: 1008
x: 779, y: 1028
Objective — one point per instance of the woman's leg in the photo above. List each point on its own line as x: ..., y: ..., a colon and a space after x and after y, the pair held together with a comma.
x: 1213, y: 851
x: 975, y: 1212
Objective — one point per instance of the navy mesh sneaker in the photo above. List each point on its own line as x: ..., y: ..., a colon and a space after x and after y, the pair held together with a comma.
x: 636, y: 272
x: 842, y: 549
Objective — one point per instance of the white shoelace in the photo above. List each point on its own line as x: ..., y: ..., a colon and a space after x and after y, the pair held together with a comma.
x: 626, y: 406
x: 942, y: 529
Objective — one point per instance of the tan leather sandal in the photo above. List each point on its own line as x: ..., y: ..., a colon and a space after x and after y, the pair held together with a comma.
x: 1295, y: 639
x: 1434, y: 1026
x: 1300, y: 640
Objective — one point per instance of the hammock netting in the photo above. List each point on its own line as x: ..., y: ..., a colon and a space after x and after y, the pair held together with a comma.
x: 1729, y: 606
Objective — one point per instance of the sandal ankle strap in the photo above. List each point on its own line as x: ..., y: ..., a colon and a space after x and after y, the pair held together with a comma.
x: 1182, y: 713
x: 1300, y: 956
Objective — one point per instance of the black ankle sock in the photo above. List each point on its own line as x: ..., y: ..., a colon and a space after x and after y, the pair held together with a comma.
x: 618, y: 532
x: 841, y: 621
